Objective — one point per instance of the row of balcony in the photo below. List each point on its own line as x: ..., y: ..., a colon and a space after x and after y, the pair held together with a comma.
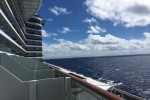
x: 35, y: 20
x: 34, y: 55
x: 33, y: 31
x: 34, y: 48
x: 34, y: 37
x: 37, y: 43
x: 28, y: 25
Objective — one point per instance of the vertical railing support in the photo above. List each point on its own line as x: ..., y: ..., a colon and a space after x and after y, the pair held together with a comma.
x: 68, y: 88
x: 32, y: 90
x: 53, y: 73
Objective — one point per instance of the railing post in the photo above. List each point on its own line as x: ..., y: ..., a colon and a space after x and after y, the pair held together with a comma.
x: 53, y: 73
x: 34, y: 74
x: 32, y: 90
x: 68, y: 88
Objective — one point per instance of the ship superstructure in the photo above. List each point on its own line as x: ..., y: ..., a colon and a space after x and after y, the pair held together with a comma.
x: 20, y: 27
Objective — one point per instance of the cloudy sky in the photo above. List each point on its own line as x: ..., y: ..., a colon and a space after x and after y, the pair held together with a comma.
x: 83, y: 28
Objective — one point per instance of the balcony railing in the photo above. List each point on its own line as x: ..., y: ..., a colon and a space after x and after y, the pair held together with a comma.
x: 82, y: 90
x: 35, y: 20
x: 33, y: 37
x: 32, y: 31
x: 34, y: 55
x: 34, y: 43
x: 33, y: 26
x: 34, y: 48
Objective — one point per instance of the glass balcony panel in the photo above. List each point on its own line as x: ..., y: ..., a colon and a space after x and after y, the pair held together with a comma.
x: 79, y: 92
x: 29, y: 31
x: 34, y: 54
x: 34, y: 20
x: 33, y: 37
x: 33, y: 26
x: 34, y: 43
x: 34, y: 48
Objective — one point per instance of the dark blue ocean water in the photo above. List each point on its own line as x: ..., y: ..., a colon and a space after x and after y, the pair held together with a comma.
x: 132, y: 71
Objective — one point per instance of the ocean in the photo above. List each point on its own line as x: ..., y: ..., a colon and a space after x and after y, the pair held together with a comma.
x: 129, y: 73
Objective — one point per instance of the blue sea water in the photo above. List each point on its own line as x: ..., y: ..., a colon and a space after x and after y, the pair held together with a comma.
x: 132, y: 72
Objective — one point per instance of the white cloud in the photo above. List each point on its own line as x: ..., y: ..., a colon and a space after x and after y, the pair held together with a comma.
x: 46, y: 34
x: 129, y: 13
x: 97, y: 45
x: 49, y: 19
x: 65, y: 30
x: 147, y: 35
x: 59, y: 10
x: 95, y: 29
x: 90, y: 20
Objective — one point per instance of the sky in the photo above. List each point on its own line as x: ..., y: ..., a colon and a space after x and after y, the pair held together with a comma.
x: 86, y: 28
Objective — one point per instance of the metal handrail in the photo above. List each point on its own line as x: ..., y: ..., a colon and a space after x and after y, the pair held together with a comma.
x: 92, y: 87
x: 123, y: 93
